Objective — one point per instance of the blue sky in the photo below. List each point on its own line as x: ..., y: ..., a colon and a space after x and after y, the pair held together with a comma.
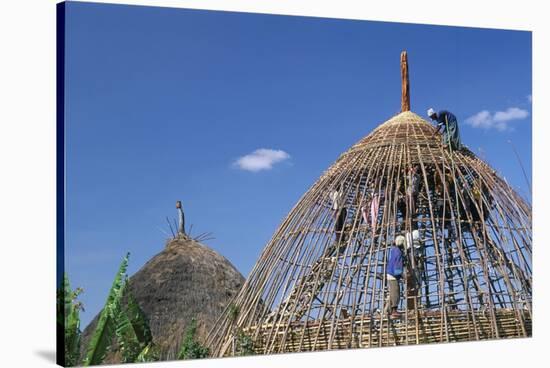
x: 238, y: 114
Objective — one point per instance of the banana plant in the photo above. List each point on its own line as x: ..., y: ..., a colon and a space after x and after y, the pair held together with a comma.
x: 132, y: 330
x: 124, y: 321
x: 106, y: 326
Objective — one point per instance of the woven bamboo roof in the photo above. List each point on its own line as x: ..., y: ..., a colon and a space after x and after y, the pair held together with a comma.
x: 320, y: 281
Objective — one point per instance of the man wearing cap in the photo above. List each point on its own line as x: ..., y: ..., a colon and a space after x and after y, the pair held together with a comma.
x: 446, y: 121
x: 394, y: 271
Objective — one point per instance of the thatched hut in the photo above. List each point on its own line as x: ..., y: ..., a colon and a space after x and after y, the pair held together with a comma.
x: 186, y: 280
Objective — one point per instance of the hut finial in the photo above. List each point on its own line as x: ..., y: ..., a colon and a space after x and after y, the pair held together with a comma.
x: 405, y: 96
x: 181, y: 224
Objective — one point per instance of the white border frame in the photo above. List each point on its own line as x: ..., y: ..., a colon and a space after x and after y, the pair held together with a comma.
x: 27, y: 180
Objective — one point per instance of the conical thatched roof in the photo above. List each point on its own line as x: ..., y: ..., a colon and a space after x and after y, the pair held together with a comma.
x: 186, y: 280
x: 320, y: 282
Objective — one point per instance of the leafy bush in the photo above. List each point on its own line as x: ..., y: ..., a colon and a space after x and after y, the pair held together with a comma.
x: 192, y: 349
x: 233, y: 312
x: 68, y: 320
x: 245, y: 344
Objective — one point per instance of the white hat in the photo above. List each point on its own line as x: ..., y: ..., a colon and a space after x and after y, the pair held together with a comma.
x: 431, y: 111
x: 399, y: 240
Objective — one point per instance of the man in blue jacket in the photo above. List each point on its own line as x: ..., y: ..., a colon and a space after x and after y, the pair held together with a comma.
x: 446, y: 121
x: 394, y: 272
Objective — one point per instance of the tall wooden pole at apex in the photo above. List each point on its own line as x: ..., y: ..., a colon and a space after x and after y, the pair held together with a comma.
x: 405, y: 96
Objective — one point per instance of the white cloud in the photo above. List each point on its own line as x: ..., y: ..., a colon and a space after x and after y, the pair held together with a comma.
x: 482, y: 119
x: 499, y: 120
x: 512, y: 113
x: 261, y: 159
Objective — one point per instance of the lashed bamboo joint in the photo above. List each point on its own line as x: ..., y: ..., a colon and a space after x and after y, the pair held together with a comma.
x: 320, y: 282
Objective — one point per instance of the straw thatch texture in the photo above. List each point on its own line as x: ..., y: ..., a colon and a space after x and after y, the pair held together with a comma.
x: 186, y: 280
x: 320, y: 281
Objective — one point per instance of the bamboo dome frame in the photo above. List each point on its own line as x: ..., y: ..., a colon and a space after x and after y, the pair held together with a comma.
x: 318, y: 285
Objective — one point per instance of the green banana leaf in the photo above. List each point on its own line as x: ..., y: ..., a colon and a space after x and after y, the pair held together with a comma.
x: 132, y: 331
x: 138, y: 319
x: 106, y: 326
x: 127, y: 339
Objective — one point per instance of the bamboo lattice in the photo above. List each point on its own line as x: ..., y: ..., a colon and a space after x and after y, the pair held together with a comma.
x: 320, y: 281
